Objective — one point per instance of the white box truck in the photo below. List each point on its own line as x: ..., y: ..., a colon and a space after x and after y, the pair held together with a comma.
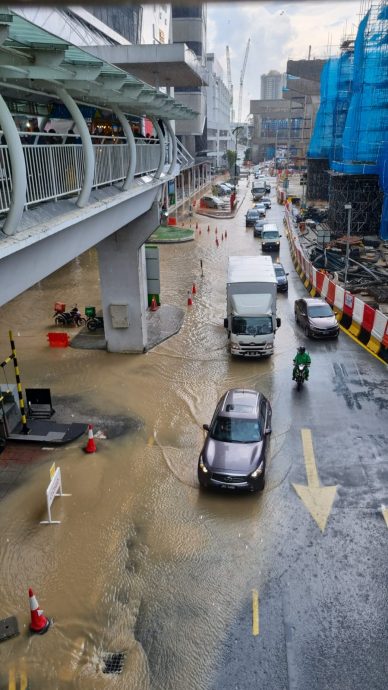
x: 258, y: 189
x: 251, y: 320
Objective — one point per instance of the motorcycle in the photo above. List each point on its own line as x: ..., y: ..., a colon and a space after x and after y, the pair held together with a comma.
x: 69, y: 318
x: 300, y: 375
x: 95, y: 322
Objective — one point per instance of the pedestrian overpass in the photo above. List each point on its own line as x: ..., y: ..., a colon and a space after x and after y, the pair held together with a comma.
x: 64, y: 192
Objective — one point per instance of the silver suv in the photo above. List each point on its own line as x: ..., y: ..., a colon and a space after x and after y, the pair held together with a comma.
x: 234, y: 453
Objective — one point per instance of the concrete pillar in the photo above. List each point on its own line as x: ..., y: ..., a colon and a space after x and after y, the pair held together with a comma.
x: 123, y: 281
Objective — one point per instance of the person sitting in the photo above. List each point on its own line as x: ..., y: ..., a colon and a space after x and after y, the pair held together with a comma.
x: 301, y: 357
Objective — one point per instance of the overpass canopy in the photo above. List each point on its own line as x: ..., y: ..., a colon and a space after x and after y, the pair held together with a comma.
x: 32, y: 59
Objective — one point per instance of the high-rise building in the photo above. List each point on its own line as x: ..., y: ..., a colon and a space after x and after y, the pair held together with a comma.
x: 271, y: 85
x: 189, y: 27
x: 218, y: 112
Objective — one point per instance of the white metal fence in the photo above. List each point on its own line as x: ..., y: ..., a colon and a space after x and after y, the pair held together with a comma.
x: 55, y: 170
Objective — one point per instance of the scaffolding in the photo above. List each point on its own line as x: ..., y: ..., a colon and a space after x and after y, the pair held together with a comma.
x: 364, y: 194
x: 317, y: 188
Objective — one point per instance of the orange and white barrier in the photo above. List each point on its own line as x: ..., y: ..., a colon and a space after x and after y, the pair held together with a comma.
x: 368, y: 325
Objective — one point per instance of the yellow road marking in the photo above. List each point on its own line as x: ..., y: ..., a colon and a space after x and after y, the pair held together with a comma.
x: 317, y: 499
x: 255, y: 612
x: 309, y: 459
x: 11, y: 679
x: 23, y: 680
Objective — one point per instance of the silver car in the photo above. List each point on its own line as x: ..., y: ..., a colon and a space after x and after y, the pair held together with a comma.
x: 316, y: 318
x: 234, y: 453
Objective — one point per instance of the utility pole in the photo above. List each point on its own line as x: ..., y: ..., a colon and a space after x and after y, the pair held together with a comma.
x: 348, y: 208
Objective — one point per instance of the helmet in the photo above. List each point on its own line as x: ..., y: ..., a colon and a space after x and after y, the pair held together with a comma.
x: 301, y: 350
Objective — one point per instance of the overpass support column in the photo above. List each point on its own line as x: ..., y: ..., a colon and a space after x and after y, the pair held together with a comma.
x: 123, y: 282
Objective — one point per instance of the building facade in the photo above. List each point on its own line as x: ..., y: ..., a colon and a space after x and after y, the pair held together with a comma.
x: 218, y: 113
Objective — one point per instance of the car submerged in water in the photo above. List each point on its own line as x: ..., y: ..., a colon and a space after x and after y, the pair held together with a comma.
x: 233, y: 457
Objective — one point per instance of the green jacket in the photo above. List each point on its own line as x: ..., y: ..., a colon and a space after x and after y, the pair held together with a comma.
x: 302, y: 358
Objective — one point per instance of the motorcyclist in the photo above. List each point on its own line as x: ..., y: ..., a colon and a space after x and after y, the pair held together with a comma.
x: 301, y: 357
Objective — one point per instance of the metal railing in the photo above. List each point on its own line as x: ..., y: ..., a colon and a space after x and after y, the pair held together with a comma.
x: 55, y: 170
x: 184, y: 158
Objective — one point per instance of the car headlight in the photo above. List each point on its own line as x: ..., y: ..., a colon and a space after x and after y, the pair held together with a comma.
x: 202, y: 465
x: 258, y: 472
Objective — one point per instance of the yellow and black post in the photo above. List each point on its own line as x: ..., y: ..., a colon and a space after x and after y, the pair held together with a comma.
x: 19, y: 385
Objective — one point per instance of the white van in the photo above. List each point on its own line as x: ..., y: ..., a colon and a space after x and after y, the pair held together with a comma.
x: 270, y: 238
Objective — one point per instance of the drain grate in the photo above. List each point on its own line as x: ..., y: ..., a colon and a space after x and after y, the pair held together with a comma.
x: 113, y: 663
x: 8, y: 628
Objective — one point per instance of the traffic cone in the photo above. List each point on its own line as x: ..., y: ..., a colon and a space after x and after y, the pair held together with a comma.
x: 196, y: 226
x: 226, y: 234
x: 39, y: 623
x: 208, y: 228
x: 153, y: 306
x: 189, y: 300
x: 217, y: 242
x: 222, y: 237
x: 194, y: 289
x: 91, y: 444
x: 216, y: 230
x: 199, y: 231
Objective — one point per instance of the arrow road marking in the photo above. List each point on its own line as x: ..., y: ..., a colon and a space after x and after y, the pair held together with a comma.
x: 317, y: 499
x: 255, y: 612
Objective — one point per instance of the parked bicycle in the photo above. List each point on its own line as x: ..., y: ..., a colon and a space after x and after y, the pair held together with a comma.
x: 68, y: 318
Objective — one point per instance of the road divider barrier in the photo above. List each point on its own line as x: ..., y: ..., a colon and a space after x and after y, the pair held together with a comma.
x: 58, y: 339
x: 367, y: 325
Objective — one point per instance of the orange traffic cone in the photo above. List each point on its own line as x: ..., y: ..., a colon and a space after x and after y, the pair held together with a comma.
x: 208, y: 228
x: 194, y: 289
x: 91, y: 444
x: 196, y: 226
x: 39, y: 623
x: 217, y: 242
x: 226, y: 234
x: 199, y: 231
x: 189, y: 300
x: 216, y: 230
x: 222, y: 237
x: 153, y: 306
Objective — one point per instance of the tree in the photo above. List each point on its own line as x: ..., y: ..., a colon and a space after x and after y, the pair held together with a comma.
x: 231, y: 157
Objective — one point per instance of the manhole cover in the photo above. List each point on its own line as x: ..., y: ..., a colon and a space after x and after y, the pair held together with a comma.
x: 8, y: 628
x: 113, y: 663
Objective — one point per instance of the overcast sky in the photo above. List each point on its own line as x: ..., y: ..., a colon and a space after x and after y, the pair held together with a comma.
x: 278, y: 31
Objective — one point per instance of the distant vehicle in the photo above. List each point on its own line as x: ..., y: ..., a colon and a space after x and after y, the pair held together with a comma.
x: 258, y: 226
x: 252, y: 215
x: 281, y: 277
x: 220, y: 189
x: 270, y: 238
x: 316, y: 318
x: 233, y: 457
x: 267, y: 188
x: 258, y: 189
x: 266, y: 201
x: 262, y: 210
x: 228, y: 185
x: 212, y: 201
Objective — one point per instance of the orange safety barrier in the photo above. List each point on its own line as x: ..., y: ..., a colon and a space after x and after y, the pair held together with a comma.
x: 172, y: 221
x: 58, y: 339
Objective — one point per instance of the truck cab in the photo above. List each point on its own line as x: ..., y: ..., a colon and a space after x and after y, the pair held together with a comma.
x: 251, y: 319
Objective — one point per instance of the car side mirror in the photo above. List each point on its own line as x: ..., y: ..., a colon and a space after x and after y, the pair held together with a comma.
x: 205, y: 427
x: 225, y: 323
x: 287, y: 274
x: 280, y: 235
x: 278, y: 322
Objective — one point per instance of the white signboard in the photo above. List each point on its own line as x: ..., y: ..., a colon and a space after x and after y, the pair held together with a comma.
x: 54, y: 489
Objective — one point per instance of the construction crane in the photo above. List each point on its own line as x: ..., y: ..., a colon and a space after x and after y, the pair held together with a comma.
x: 230, y: 85
x: 242, y: 79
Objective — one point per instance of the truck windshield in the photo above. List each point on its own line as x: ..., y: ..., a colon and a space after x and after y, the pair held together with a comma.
x: 252, y: 325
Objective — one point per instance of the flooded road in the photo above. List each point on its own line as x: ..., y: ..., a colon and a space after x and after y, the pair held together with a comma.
x: 144, y: 565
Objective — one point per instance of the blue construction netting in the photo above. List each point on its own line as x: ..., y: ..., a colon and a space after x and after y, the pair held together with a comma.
x: 336, y: 92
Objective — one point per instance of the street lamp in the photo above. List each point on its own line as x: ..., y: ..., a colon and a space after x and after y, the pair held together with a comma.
x: 235, y: 132
x: 348, y: 208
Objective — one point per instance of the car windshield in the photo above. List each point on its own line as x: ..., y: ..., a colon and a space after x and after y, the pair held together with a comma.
x: 236, y: 430
x: 279, y: 270
x: 319, y: 311
x: 253, y: 213
x: 271, y: 235
x: 251, y: 325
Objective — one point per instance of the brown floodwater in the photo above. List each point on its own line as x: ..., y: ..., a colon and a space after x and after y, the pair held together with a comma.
x: 142, y: 563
